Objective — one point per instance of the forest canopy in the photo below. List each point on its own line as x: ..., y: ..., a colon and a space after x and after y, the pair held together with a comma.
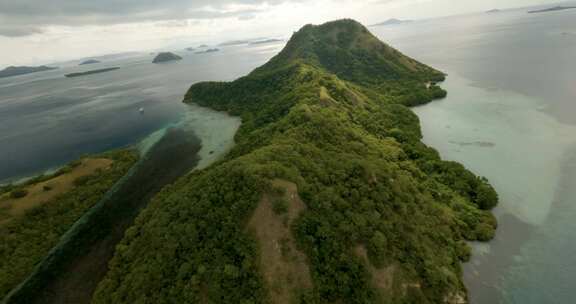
x: 330, y: 113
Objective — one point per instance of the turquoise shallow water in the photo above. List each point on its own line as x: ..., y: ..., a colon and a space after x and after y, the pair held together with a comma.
x: 529, y: 157
x: 510, y: 115
x: 47, y: 120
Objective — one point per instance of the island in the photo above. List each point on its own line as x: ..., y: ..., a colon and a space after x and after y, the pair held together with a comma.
x: 234, y: 42
x: 493, y: 11
x: 213, y: 50
x: 21, y: 70
x: 328, y: 196
x: 165, y: 57
x: 189, y: 49
x: 89, y: 61
x: 392, y: 21
x: 91, y: 72
x: 552, y: 9
x: 265, y: 41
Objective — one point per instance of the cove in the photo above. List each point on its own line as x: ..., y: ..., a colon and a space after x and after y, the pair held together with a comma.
x: 73, y: 269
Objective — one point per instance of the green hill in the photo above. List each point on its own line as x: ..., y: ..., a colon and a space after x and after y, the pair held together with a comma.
x: 165, y: 57
x: 329, y: 196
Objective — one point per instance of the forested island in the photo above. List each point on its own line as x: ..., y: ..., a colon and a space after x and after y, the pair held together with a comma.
x: 21, y: 70
x: 392, y: 21
x: 207, y: 51
x: 234, y: 42
x: 552, y: 9
x: 89, y: 61
x: 165, y: 57
x: 329, y: 195
x: 78, y: 74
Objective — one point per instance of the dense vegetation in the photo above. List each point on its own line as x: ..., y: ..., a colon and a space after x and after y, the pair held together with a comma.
x: 165, y: 56
x: 26, y: 239
x: 328, y: 113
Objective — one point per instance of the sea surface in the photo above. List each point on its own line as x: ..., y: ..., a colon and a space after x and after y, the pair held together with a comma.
x: 510, y: 115
x: 47, y: 120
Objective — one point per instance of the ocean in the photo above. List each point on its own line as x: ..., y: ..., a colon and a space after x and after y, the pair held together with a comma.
x: 47, y: 120
x: 510, y: 115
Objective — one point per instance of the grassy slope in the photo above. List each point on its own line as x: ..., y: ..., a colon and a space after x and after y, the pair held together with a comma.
x: 26, y: 239
x: 328, y: 113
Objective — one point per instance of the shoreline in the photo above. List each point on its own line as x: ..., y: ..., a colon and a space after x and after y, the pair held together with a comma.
x: 473, y: 114
x: 85, y: 249
x: 209, y: 144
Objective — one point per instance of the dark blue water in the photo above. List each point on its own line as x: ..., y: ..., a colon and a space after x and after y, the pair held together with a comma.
x: 47, y: 120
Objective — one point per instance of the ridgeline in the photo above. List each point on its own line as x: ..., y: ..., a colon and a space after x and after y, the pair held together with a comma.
x: 363, y: 211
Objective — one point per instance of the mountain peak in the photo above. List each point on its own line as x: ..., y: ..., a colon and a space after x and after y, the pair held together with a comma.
x: 348, y: 49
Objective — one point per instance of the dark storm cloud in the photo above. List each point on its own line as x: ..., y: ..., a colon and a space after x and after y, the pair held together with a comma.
x: 24, y: 17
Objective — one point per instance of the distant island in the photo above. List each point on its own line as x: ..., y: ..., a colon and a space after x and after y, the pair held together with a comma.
x: 208, y: 51
x: 265, y: 41
x: 89, y: 61
x: 190, y: 49
x: 234, y: 42
x: 552, y: 9
x: 202, y: 46
x: 91, y: 72
x: 492, y: 11
x: 392, y: 21
x: 249, y: 42
x: 21, y: 70
x: 165, y: 57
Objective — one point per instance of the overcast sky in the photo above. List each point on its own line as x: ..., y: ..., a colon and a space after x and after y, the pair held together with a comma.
x: 42, y: 31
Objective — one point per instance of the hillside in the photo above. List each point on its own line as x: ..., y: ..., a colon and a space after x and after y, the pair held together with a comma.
x: 329, y: 196
x: 30, y: 226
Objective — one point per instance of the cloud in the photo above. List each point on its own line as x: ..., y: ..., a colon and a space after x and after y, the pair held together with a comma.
x: 25, y: 17
x: 18, y: 31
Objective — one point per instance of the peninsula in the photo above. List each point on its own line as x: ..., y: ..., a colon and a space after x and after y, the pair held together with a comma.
x: 265, y: 41
x: 21, y: 70
x: 329, y: 195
